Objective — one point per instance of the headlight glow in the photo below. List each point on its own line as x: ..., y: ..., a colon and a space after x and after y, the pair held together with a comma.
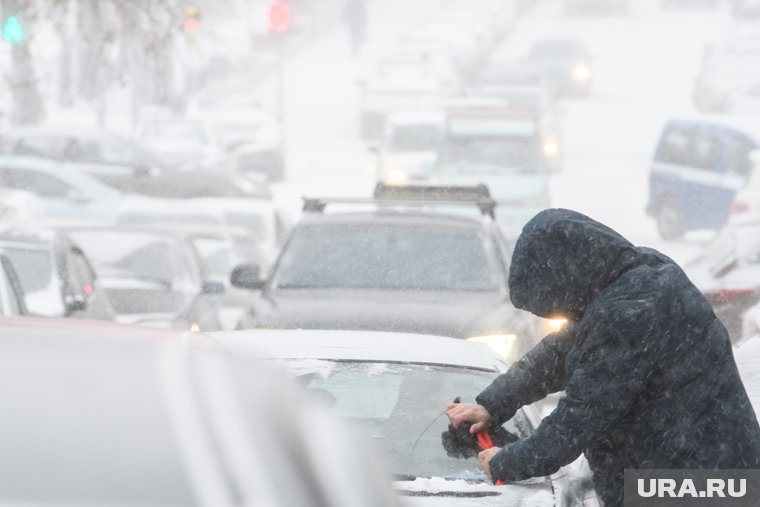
x: 502, y: 344
x: 554, y: 325
x: 395, y: 177
x: 581, y: 73
x: 195, y: 328
x: 551, y: 149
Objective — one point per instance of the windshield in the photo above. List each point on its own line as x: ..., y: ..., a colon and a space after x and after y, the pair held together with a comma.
x: 400, y: 406
x: 37, y: 275
x: 510, y: 153
x: 388, y: 256
x: 415, y: 138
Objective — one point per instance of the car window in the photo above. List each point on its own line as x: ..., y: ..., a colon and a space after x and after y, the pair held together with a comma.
x: 35, y: 182
x: 688, y: 146
x: 388, y: 256
x: 400, y: 406
x: 737, y: 156
x: 38, y: 276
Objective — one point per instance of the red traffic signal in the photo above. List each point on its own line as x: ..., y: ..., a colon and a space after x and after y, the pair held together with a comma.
x: 279, y: 17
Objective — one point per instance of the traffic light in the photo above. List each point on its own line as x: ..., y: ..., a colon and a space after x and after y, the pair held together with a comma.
x: 192, y: 19
x: 13, y: 28
x: 279, y: 17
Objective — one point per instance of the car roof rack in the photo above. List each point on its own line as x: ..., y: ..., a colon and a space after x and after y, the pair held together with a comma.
x: 415, y: 195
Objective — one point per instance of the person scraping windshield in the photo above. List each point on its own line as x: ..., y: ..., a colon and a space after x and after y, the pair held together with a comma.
x: 647, y: 368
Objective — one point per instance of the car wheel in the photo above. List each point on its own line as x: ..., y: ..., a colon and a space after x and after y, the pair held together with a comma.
x: 670, y: 221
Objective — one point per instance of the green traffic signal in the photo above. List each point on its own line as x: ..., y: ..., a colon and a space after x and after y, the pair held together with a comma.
x: 13, y: 30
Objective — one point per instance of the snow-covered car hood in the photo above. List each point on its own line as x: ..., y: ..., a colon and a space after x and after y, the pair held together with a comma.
x: 456, y: 314
x: 436, y: 492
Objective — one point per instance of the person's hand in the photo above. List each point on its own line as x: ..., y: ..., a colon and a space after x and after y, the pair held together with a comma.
x: 485, y: 459
x: 459, y: 413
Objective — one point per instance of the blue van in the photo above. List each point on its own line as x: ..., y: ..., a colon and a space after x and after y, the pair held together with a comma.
x: 698, y: 166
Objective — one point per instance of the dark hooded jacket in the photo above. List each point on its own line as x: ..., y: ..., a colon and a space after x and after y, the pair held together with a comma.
x: 648, y: 371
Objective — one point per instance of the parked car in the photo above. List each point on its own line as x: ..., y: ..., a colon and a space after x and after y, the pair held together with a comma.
x: 54, y: 274
x: 395, y: 386
x: 727, y: 271
x: 264, y: 227
x: 565, y: 63
x: 699, y: 164
x: 184, y: 143
x: 122, y: 164
x: 164, y: 418
x: 725, y: 74
x: 152, y: 277
x: 746, y: 204
x: 59, y: 194
x: 396, y: 268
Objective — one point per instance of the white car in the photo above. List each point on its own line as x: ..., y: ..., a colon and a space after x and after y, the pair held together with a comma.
x: 60, y: 193
x: 410, y: 147
x: 183, y: 142
x: 257, y: 217
x: 115, y: 415
x: 394, y: 387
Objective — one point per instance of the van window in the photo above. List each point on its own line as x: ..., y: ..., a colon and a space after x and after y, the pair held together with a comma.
x: 689, y: 147
x: 737, y: 156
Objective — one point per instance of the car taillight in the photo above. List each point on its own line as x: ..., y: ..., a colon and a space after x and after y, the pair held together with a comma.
x: 725, y: 296
x: 739, y: 207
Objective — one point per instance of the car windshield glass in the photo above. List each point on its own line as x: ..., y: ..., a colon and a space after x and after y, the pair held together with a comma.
x: 85, y: 428
x: 415, y: 138
x: 37, y: 275
x: 388, y: 256
x: 124, y: 255
x: 397, y: 404
x: 517, y: 153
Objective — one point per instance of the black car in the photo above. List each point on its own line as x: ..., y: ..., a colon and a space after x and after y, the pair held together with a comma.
x: 55, y: 275
x: 400, y: 267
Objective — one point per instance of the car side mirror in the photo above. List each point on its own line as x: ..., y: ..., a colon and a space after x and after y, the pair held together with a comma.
x: 247, y: 276
x: 212, y: 287
x: 74, y: 303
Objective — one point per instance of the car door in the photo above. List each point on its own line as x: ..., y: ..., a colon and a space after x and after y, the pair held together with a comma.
x: 83, y: 284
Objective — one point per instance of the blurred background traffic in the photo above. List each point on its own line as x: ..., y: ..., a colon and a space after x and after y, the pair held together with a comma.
x: 155, y: 156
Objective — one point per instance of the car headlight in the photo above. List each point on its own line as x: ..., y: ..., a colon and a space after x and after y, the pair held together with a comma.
x: 581, y: 73
x: 395, y: 177
x: 502, y: 344
x: 554, y: 325
x: 551, y: 149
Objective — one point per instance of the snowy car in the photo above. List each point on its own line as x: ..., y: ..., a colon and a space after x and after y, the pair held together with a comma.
x: 727, y: 272
x: 394, y: 387
x: 152, y: 277
x: 165, y: 418
x: 410, y: 147
x: 59, y: 193
x: 54, y: 274
x: 411, y: 261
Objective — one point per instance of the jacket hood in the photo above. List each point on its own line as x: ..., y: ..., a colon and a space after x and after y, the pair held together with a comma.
x: 562, y: 260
